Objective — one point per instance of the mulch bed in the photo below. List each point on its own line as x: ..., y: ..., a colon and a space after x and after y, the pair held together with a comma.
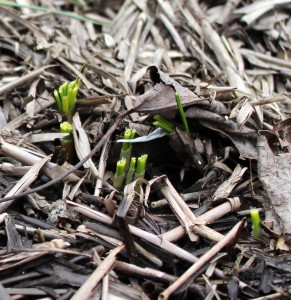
x: 184, y: 231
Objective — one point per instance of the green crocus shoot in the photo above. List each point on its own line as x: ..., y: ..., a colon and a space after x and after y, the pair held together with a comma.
x: 127, y: 147
x: 256, y: 222
x: 140, y: 168
x: 128, y: 135
x: 119, y: 174
x: 182, y: 113
x: 66, y: 96
x: 66, y: 127
x: 163, y: 123
x: 131, y: 170
x: 67, y: 142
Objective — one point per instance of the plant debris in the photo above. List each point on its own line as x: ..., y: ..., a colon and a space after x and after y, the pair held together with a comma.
x: 183, y: 231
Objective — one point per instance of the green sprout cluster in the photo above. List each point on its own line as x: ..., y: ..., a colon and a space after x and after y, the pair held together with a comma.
x: 66, y: 97
x: 128, y: 168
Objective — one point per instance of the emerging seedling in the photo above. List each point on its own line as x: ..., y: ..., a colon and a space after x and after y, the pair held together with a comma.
x: 66, y: 127
x: 140, y: 168
x: 67, y: 142
x: 182, y: 113
x: 131, y: 170
x: 127, y: 147
x: 66, y: 97
x: 256, y: 222
x: 128, y: 166
x: 119, y: 174
x: 163, y: 123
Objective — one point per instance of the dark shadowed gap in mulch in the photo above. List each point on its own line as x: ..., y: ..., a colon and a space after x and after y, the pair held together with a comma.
x: 184, y: 231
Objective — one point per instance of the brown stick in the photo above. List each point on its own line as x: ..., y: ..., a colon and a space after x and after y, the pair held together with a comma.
x: 154, y: 239
x: 201, y: 261
x: 4, y: 294
x: 134, y: 46
x: 11, y: 85
x: 24, y: 182
x: 186, y: 217
x: 152, y: 274
x: 27, y: 158
x: 180, y: 208
x: 210, y: 216
x: 85, y: 291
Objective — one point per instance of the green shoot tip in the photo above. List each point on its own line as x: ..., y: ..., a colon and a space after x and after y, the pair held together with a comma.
x: 256, y: 222
x: 128, y: 135
x: 182, y: 113
x: 141, y: 164
x: 120, y: 167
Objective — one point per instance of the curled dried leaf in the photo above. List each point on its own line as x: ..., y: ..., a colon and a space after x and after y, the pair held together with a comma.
x: 161, y: 97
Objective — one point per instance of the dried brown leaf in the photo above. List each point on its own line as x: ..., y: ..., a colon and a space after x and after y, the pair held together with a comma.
x: 161, y: 97
x: 275, y: 172
x: 227, y: 186
x: 244, y: 114
x: 244, y: 140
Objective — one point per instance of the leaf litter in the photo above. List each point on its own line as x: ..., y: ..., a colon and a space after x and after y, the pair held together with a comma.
x: 185, y: 230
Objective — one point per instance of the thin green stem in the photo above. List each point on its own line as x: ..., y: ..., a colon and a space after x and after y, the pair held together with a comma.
x: 163, y: 126
x: 58, y: 99
x: 182, y: 113
x: 164, y: 121
x: 54, y: 11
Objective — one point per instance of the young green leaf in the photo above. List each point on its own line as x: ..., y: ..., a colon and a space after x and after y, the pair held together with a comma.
x: 182, y: 113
